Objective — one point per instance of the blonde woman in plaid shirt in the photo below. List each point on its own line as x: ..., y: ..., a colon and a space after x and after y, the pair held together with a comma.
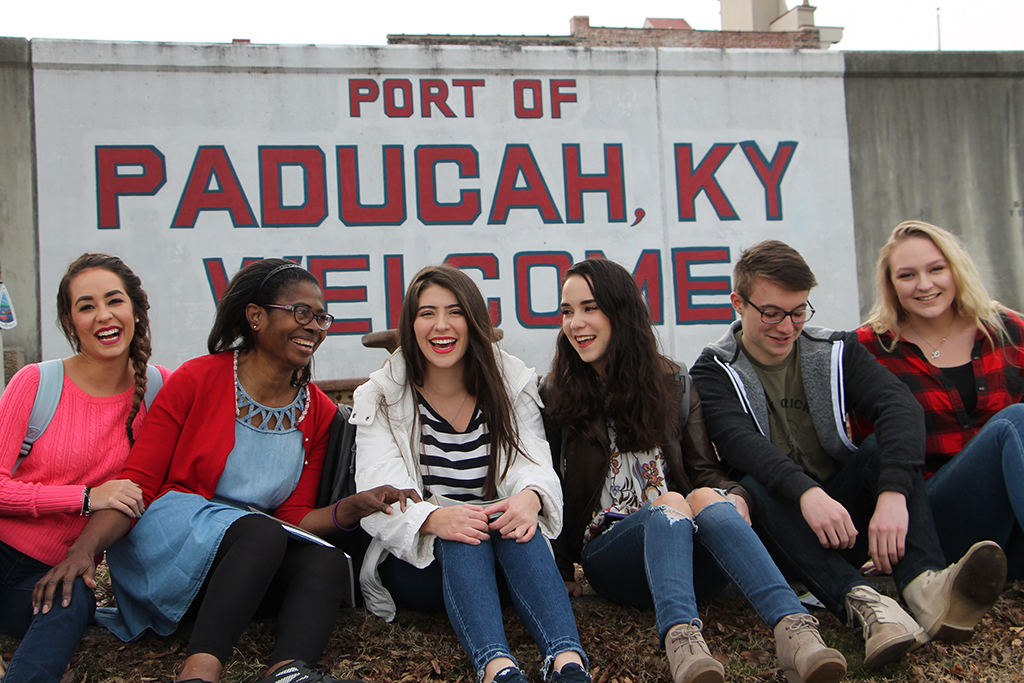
x: 962, y: 355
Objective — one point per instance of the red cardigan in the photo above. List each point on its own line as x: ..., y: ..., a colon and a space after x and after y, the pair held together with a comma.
x: 190, y: 430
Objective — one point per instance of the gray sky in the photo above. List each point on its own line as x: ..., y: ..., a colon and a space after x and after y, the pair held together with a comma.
x: 868, y: 24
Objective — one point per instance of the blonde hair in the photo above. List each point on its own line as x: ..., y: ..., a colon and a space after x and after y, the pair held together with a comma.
x: 971, y: 300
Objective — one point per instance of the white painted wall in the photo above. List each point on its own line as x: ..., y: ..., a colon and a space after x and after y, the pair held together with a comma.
x: 91, y: 98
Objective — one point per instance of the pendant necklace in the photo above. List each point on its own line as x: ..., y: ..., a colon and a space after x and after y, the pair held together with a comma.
x: 461, y: 405
x: 935, y: 349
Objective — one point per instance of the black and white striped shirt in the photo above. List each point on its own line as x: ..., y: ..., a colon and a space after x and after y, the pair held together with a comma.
x: 453, y: 463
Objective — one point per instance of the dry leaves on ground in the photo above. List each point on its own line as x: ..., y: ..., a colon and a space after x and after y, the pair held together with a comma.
x: 620, y: 642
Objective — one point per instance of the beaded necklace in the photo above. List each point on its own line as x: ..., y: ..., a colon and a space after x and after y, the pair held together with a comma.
x: 243, y: 400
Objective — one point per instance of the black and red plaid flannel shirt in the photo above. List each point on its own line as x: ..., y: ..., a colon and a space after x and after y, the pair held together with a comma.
x: 999, y: 378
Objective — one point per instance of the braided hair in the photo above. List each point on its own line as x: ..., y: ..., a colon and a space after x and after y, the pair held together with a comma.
x: 141, y: 347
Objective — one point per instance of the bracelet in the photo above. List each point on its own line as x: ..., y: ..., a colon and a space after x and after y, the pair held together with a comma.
x: 86, y: 507
x: 334, y: 517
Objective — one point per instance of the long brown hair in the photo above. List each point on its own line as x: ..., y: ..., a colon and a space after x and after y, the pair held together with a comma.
x: 483, y: 375
x: 140, y: 348
x: 634, y: 395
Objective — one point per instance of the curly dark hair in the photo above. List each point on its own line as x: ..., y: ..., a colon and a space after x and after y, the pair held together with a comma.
x: 260, y: 283
x: 483, y: 375
x: 633, y: 395
x: 141, y: 347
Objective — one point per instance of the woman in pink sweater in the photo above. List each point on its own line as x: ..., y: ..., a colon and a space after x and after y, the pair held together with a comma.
x: 46, y: 499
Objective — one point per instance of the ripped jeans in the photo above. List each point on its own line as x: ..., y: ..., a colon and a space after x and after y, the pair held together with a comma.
x: 650, y: 558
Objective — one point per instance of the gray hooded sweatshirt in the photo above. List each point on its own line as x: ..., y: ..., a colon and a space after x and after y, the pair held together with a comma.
x: 840, y: 376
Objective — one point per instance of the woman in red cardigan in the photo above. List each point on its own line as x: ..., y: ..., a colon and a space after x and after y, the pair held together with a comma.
x: 232, y: 435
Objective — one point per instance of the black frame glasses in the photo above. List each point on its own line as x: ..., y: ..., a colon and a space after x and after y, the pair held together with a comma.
x: 304, y: 315
x: 809, y: 311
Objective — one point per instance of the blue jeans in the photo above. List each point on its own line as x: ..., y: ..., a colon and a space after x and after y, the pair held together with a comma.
x: 831, y: 574
x: 986, y: 478
x: 538, y: 593
x: 650, y: 558
x: 47, y: 640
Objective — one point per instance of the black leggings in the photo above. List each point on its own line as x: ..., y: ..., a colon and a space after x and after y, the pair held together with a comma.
x: 259, y: 572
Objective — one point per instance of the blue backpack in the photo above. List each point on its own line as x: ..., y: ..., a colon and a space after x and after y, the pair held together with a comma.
x: 51, y: 384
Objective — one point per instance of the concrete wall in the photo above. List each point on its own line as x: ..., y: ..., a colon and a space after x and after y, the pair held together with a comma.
x: 939, y: 137
x: 19, y: 254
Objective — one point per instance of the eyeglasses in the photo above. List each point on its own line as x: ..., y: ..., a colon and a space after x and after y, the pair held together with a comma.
x: 304, y: 315
x: 774, y: 316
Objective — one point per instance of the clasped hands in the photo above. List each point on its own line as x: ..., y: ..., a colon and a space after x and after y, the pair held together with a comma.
x: 517, y: 519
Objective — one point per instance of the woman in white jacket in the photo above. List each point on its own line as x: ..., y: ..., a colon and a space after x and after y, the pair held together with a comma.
x: 459, y: 421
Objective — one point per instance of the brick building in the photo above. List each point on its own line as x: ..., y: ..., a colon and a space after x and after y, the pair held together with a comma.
x: 763, y: 24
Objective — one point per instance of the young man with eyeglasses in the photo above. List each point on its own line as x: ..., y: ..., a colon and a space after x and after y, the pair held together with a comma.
x: 776, y: 392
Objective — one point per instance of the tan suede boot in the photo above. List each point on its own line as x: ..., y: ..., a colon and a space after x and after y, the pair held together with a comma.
x: 803, y: 655
x: 688, y: 656
x: 948, y: 604
x: 889, y: 632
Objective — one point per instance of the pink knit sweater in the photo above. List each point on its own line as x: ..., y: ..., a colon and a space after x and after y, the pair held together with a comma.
x: 84, y: 445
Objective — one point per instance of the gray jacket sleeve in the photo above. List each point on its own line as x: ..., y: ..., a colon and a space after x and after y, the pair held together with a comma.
x: 876, y: 394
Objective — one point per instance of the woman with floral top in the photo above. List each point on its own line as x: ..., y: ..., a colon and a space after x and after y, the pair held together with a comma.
x: 649, y: 513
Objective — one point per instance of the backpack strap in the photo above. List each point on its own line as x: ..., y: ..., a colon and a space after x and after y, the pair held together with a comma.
x: 51, y: 384
x: 684, y: 408
x: 154, y: 380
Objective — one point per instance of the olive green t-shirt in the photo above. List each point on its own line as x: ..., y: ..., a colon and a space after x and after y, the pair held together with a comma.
x: 789, y: 415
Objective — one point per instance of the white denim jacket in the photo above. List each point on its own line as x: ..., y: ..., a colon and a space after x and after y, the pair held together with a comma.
x: 387, y: 452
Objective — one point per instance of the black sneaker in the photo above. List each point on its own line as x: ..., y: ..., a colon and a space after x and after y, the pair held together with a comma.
x: 570, y: 673
x: 299, y: 672
x: 510, y: 674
